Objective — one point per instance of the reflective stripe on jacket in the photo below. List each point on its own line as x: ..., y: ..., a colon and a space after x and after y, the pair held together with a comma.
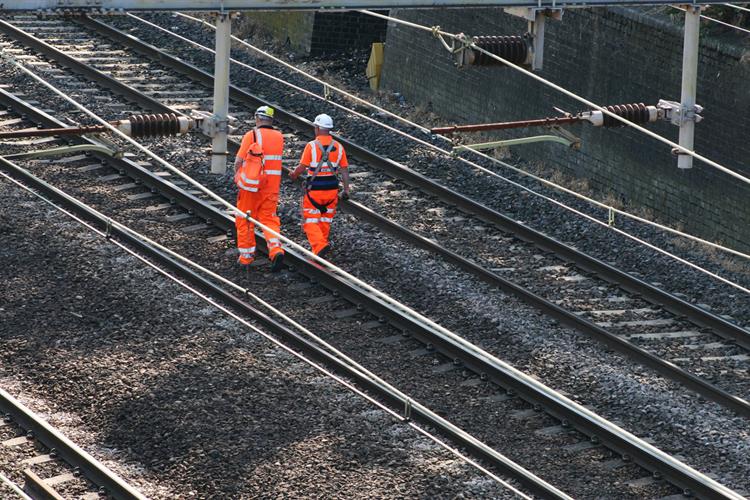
x: 322, y: 170
x: 272, y: 142
x: 261, y: 173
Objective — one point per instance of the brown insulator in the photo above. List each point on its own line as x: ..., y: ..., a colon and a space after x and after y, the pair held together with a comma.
x: 636, y: 113
x: 159, y: 125
x: 514, y: 49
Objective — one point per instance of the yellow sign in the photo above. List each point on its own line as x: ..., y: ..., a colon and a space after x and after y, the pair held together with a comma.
x: 374, y: 65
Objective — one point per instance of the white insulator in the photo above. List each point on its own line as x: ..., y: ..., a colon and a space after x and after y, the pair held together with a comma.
x: 595, y: 117
x: 185, y: 124
x: 124, y: 127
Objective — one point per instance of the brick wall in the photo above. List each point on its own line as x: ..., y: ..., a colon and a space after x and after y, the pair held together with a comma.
x: 612, y: 56
x: 335, y: 32
x: 317, y: 33
x: 293, y: 29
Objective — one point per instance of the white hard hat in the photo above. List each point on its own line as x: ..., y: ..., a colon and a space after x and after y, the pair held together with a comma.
x: 323, y: 121
x: 265, y: 112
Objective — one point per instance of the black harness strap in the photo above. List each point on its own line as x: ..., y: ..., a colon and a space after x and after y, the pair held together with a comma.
x: 323, y: 160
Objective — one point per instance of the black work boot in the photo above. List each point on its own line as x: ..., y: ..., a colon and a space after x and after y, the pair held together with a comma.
x: 277, y: 264
x: 324, y: 251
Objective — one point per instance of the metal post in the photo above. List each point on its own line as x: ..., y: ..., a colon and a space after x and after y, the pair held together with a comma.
x: 221, y: 94
x: 537, y: 31
x: 689, y: 83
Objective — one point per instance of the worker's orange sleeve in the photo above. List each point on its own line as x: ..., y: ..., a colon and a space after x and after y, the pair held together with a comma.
x: 247, y: 140
x: 344, y: 163
x: 306, y: 155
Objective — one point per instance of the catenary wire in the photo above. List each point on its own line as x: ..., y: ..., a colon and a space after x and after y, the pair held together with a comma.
x: 723, y: 23
x: 717, y: 21
x: 266, y: 335
x: 242, y: 42
x: 283, y: 238
x: 437, y: 148
x: 490, y: 172
x: 573, y: 95
x: 424, y: 321
x: 737, y: 7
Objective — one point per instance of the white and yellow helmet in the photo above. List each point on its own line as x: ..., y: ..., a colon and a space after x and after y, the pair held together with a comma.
x: 265, y: 112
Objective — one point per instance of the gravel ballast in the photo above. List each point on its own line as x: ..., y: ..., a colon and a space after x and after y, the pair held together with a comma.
x: 176, y: 397
x: 514, y: 332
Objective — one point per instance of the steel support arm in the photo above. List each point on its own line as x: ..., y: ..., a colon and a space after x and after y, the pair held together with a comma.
x: 249, y: 5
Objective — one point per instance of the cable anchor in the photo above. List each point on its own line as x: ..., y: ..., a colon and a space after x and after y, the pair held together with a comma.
x: 108, y: 229
x: 610, y: 216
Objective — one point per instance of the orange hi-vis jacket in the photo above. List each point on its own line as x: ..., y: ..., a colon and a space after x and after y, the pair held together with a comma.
x: 312, y: 158
x: 259, y: 179
x: 321, y: 197
x: 268, y: 179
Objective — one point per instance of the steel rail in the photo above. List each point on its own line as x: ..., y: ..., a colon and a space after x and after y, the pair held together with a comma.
x: 14, y: 487
x: 91, y: 468
x: 416, y: 411
x: 648, y: 292
x: 78, y: 66
x: 640, y: 355
x: 490, y: 367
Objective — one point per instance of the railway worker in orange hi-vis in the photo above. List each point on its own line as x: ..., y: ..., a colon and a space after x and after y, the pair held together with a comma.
x: 257, y: 173
x: 322, y: 158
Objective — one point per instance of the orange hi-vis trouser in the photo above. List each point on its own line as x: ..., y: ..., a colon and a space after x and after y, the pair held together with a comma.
x: 317, y: 225
x: 262, y: 207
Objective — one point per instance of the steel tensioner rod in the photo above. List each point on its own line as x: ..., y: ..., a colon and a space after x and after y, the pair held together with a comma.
x: 158, y: 125
x: 637, y: 113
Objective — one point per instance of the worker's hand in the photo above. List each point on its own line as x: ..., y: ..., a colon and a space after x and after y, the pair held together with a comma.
x: 293, y: 176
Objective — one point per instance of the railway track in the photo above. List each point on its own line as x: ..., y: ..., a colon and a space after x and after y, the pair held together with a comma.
x: 38, y: 461
x: 521, y: 412
x: 703, y: 351
x: 350, y: 318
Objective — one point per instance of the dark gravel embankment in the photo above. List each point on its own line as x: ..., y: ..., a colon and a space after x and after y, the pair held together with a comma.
x: 176, y: 397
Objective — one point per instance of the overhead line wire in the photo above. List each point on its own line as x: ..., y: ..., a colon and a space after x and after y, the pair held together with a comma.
x: 437, y: 148
x: 487, y: 157
x: 570, y: 94
x: 374, y: 293
x: 352, y: 365
x: 717, y: 21
x: 737, y: 7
